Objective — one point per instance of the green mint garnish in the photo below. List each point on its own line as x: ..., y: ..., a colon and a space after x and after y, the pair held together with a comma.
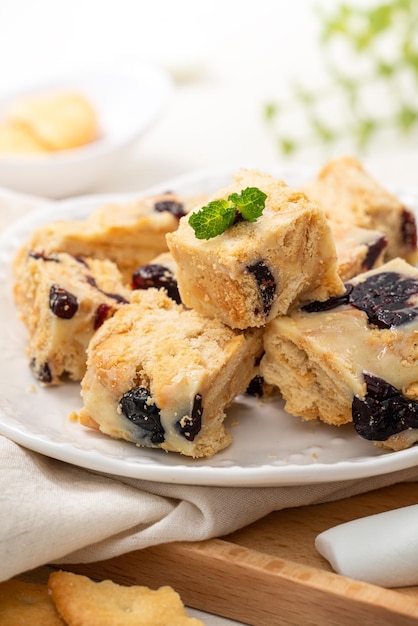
x: 250, y: 203
x: 213, y: 219
x: 217, y: 216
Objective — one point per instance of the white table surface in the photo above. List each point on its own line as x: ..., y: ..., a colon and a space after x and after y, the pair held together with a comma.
x: 227, y: 59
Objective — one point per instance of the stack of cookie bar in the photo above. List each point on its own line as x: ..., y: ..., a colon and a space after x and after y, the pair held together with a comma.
x: 315, y: 297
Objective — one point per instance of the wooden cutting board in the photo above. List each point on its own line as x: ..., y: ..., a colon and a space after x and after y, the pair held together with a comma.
x: 269, y: 573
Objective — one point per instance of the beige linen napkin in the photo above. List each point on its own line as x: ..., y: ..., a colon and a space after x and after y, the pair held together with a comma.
x: 52, y: 512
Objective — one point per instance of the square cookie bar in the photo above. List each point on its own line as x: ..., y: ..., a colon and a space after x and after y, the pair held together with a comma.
x: 161, y: 375
x: 353, y: 358
x: 129, y: 235
x: 350, y: 196
x: 62, y: 300
x: 256, y: 270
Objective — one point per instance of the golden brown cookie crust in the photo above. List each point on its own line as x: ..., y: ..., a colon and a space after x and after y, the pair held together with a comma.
x: 83, y: 602
x: 27, y: 604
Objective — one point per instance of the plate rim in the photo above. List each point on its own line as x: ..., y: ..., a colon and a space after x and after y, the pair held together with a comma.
x: 209, y: 476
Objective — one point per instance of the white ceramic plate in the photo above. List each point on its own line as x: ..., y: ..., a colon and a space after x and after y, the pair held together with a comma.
x: 127, y: 103
x: 269, y: 447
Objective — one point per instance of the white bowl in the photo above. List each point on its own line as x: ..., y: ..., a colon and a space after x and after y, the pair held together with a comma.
x: 126, y: 103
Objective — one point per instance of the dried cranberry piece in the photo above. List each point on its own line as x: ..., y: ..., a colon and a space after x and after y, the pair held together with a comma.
x: 256, y: 387
x: 384, y: 411
x: 82, y: 261
x: 136, y: 406
x: 158, y: 276
x: 238, y: 217
x: 384, y: 298
x: 409, y: 229
x: 42, y: 256
x: 115, y: 296
x: 41, y: 372
x: 172, y: 206
x: 62, y: 303
x: 331, y: 303
x: 373, y: 251
x: 190, y: 425
x: 266, y: 284
x: 102, y: 313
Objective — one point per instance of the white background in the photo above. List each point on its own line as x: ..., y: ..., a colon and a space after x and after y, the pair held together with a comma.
x: 228, y: 58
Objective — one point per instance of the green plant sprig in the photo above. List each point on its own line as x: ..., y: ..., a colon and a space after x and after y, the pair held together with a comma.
x: 363, y: 30
x: 219, y: 215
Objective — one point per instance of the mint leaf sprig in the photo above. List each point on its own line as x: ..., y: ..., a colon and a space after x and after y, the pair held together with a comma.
x: 219, y: 215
